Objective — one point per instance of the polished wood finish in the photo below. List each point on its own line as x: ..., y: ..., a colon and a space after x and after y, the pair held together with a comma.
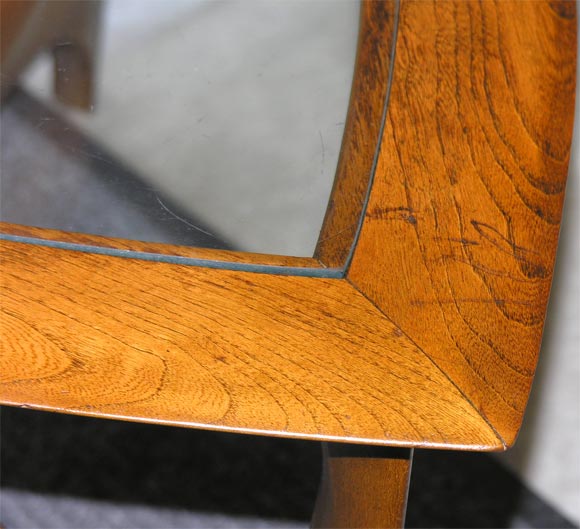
x: 361, y: 132
x: 298, y: 356
x: 430, y: 339
x: 363, y: 487
x: 459, y: 237
x: 225, y: 256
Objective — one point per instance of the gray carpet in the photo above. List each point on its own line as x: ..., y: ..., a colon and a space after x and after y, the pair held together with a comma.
x: 73, y: 184
x: 35, y: 510
x: 63, y: 472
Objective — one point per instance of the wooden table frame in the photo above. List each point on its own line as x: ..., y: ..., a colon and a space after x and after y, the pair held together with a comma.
x: 416, y: 324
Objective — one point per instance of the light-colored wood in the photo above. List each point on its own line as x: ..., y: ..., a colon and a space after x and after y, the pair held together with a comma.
x: 431, y: 339
x: 460, y: 234
x: 288, y: 356
x: 361, y: 132
x: 363, y: 487
x: 159, y: 248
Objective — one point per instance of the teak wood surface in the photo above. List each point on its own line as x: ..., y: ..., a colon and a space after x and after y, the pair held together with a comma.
x: 430, y: 336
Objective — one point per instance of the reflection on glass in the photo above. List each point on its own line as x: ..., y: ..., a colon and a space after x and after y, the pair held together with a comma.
x: 215, y: 124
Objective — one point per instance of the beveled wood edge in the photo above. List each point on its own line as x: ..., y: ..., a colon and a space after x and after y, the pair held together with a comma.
x: 362, y: 133
x: 377, y: 287
x: 496, y: 445
x: 36, y: 292
x: 160, y: 249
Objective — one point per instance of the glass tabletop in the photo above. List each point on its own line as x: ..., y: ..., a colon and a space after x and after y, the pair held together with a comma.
x: 214, y: 124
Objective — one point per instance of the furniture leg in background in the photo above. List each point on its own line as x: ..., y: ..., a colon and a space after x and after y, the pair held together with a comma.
x: 70, y: 29
x: 363, y: 487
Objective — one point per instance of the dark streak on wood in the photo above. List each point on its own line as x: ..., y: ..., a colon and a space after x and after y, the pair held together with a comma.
x: 474, y: 157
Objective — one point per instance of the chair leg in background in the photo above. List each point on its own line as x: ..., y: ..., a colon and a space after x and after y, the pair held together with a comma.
x: 75, y: 55
x: 71, y: 29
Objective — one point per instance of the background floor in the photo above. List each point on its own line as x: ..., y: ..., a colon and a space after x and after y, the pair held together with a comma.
x: 62, y: 472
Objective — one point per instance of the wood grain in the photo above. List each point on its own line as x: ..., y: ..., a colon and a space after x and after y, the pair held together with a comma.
x: 361, y: 134
x: 363, y: 487
x: 99, y: 241
x: 431, y: 339
x: 460, y: 234
x: 298, y: 357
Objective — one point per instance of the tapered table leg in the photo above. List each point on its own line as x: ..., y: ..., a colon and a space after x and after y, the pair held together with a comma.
x: 362, y: 487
